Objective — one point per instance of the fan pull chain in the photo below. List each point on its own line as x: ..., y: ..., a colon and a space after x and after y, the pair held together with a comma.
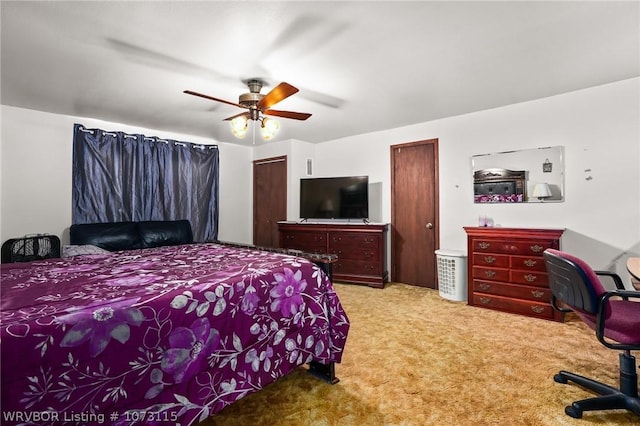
x: 253, y: 124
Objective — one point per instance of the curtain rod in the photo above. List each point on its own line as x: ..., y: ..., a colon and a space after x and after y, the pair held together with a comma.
x: 148, y: 138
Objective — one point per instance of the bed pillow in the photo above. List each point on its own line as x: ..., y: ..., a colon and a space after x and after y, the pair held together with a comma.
x: 83, y: 250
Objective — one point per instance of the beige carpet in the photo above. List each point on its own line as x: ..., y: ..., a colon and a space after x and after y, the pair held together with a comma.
x: 413, y: 358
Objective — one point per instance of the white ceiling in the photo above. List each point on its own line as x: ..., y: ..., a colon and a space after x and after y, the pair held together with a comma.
x: 360, y: 66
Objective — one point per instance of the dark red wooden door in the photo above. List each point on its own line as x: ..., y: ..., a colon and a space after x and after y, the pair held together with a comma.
x: 414, y: 212
x: 269, y: 199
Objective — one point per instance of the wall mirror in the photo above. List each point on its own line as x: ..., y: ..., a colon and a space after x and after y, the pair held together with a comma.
x: 524, y: 176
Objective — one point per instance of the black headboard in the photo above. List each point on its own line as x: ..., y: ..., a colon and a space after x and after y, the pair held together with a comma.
x: 499, y: 186
x: 132, y: 235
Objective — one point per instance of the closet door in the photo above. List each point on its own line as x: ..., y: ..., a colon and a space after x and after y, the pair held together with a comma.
x: 269, y: 199
x: 414, y: 212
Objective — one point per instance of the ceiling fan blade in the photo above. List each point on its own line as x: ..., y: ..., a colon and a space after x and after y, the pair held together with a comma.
x: 278, y: 93
x: 190, y: 92
x: 246, y: 114
x: 287, y: 114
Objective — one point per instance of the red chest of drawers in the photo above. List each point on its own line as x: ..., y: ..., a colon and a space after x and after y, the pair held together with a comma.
x: 507, y: 270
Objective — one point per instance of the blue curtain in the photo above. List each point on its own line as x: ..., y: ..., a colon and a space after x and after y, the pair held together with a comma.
x: 122, y: 177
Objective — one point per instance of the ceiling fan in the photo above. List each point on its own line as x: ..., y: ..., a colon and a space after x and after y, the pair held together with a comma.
x: 257, y: 103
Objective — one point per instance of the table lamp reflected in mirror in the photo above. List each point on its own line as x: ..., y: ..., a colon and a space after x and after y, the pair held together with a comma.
x: 541, y: 191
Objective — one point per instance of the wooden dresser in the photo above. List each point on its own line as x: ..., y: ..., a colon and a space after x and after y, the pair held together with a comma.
x: 361, y: 248
x: 507, y: 271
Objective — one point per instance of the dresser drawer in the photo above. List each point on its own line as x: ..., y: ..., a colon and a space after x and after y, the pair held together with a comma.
x: 531, y: 247
x: 490, y: 259
x: 355, y: 253
x: 490, y: 246
x: 354, y: 246
x: 512, y: 247
x: 356, y: 267
x: 532, y: 263
x: 487, y: 273
x: 535, y: 278
x: 512, y: 290
x: 354, y: 240
x: 305, y: 241
x: 518, y: 306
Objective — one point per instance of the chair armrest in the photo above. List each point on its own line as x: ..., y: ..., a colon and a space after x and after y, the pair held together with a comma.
x: 602, y: 314
x: 615, y: 277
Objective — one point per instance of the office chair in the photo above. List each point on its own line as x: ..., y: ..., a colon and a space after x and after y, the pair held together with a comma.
x: 615, y: 318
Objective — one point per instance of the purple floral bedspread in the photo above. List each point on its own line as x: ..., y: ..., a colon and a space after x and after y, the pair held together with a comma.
x: 166, y: 335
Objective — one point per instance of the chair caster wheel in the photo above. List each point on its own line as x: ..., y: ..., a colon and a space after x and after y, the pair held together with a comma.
x: 559, y: 378
x: 573, y: 411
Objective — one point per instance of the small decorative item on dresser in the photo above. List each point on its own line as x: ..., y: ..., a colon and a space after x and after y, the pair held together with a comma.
x: 506, y: 270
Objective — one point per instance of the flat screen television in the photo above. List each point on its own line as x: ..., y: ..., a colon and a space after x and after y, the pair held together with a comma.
x: 334, y: 198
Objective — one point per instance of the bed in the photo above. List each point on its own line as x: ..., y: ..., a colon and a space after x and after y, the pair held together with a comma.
x: 499, y: 186
x: 161, y: 334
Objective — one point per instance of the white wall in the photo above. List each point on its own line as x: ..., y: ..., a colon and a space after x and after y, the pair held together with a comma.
x: 600, y: 131
x: 598, y: 127
x: 36, y: 153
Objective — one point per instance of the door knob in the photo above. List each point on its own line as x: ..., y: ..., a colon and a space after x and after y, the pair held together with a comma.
x: 429, y: 225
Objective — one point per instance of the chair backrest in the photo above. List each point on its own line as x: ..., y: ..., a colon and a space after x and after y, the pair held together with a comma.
x: 573, y: 282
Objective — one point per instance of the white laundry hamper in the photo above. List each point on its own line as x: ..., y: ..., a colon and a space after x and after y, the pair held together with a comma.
x: 452, y: 274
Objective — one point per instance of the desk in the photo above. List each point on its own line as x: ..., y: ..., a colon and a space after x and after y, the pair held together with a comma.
x: 633, y: 266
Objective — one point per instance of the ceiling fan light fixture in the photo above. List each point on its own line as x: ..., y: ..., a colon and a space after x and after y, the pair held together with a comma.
x: 258, y: 104
x: 269, y: 128
x: 239, y: 126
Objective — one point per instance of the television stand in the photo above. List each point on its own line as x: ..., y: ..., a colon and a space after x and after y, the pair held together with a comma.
x: 360, y: 247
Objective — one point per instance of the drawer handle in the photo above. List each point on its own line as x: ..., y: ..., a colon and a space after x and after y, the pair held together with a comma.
x: 538, y: 309
x: 536, y: 248
x: 489, y: 274
x: 484, y: 286
x: 530, y: 263
x: 484, y: 245
x: 489, y: 259
x: 530, y: 278
x: 484, y: 300
x: 537, y: 293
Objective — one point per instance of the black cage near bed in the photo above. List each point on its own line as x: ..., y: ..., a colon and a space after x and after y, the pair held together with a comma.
x: 31, y: 247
